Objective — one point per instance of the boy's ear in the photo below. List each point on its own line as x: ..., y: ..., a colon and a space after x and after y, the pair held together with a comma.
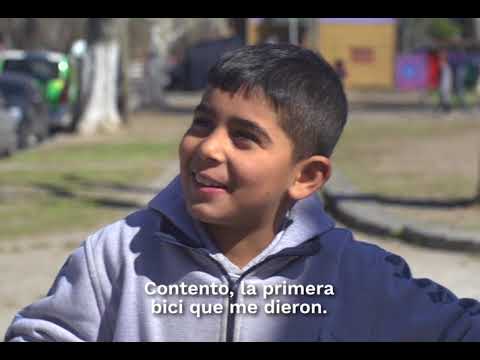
x: 310, y: 175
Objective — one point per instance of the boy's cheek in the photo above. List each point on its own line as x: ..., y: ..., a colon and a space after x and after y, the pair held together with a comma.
x: 182, y: 149
x: 187, y: 144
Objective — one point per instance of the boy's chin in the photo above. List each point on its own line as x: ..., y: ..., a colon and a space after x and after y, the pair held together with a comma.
x: 201, y: 213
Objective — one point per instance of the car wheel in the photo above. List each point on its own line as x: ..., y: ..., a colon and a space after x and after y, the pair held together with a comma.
x: 26, y: 136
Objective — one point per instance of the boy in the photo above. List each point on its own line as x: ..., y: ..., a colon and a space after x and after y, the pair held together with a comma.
x: 238, y: 248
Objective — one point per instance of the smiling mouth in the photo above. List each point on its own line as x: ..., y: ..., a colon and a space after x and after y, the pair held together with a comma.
x: 207, y: 182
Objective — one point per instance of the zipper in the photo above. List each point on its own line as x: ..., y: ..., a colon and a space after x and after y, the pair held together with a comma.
x: 231, y: 316
x: 233, y: 288
x: 232, y: 285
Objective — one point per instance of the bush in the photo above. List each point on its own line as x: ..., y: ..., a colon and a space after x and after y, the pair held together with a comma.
x: 443, y: 29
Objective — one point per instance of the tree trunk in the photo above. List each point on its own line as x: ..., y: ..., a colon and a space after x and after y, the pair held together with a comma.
x: 124, y: 87
x: 477, y: 195
x: 163, y: 33
x: 476, y: 28
x: 101, y: 111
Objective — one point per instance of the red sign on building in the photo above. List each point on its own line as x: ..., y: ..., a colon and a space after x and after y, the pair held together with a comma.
x: 363, y: 55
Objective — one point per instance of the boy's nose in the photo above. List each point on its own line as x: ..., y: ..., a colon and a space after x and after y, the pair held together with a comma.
x: 212, y: 147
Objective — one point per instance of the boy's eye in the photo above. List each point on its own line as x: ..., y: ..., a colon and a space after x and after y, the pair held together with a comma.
x: 244, y: 136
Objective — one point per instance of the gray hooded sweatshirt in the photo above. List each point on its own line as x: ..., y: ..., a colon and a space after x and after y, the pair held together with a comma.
x: 314, y: 282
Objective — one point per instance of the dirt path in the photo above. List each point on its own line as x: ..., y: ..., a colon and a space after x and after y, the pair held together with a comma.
x: 26, y: 276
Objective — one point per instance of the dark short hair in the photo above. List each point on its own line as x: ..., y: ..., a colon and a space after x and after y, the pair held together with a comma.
x: 302, y: 87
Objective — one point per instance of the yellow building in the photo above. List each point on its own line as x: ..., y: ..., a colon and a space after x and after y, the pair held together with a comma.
x: 367, y: 46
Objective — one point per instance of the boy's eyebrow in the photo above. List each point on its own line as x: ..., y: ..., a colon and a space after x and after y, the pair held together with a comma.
x: 245, y: 123
x: 202, y: 107
x: 252, y: 126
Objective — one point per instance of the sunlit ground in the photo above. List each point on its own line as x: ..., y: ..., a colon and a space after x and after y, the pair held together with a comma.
x: 415, y: 159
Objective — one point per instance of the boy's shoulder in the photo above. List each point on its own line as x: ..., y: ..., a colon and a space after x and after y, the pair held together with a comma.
x: 123, y: 238
x: 139, y: 221
x: 361, y: 259
x: 345, y: 242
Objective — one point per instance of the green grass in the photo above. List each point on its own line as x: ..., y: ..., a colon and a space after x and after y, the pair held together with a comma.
x: 54, y: 216
x: 56, y: 188
x: 470, y: 99
x: 427, y: 158
x: 373, y: 155
x: 116, y: 162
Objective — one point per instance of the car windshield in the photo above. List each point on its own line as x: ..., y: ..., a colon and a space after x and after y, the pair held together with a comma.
x: 40, y: 69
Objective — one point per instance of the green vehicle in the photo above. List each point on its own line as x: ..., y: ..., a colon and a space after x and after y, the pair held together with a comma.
x: 56, y: 76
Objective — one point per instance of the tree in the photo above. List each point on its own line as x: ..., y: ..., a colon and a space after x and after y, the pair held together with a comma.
x: 411, y: 33
x: 54, y: 34
x: 103, y: 65
x: 164, y: 32
x: 443, y: 29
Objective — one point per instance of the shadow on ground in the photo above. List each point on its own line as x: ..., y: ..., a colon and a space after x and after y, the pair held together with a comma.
x: 410, y: 202
x: 103, y: 201
x: 105, y: 185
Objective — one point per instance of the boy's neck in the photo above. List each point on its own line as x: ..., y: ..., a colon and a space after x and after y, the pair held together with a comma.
x: 241, y: 244
x: 241, y: 248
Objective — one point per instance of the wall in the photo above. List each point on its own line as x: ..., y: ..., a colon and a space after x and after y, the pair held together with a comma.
x: 366, y: 46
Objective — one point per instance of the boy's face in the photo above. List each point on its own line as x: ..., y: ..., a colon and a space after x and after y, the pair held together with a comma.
x: 236, y: 161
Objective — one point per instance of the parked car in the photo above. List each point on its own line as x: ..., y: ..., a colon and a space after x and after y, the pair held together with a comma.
x: 24, y: 101
x: 8, y: 130
x: 56, y: 76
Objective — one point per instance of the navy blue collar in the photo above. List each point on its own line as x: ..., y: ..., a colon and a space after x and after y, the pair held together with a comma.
x: 308, y: 218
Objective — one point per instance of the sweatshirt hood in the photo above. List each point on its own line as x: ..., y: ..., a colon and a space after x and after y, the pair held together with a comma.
x: 306, y: 220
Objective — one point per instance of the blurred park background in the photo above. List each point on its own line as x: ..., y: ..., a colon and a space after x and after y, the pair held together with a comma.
x: 92, y: 110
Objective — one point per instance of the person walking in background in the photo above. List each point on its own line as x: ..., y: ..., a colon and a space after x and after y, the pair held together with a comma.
x: 446, y: 82
x: 433, y: 74
x: 460, y: 79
